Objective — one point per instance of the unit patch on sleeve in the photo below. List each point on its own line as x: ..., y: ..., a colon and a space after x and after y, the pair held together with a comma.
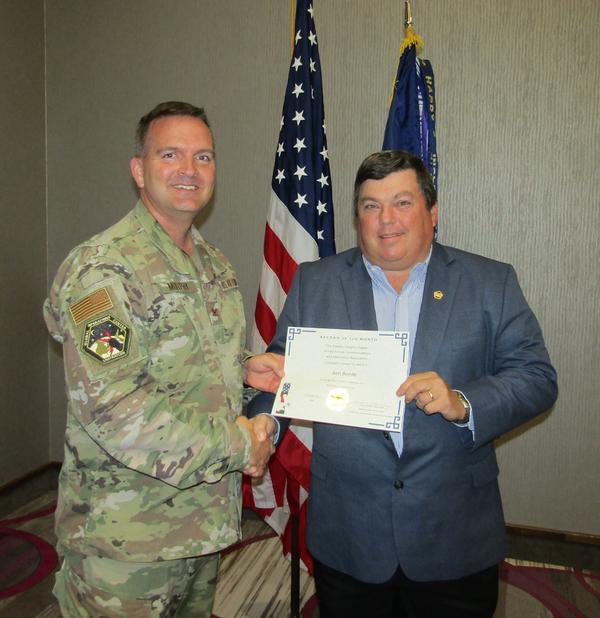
x: 106, y: 339
x: 90, y: 305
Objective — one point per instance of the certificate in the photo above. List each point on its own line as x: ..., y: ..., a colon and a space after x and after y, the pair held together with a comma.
x: 345, y: 377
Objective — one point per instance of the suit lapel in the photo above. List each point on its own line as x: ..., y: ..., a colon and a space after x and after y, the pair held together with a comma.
x: 439, y: 295
x: 358, y: 294
x: 435, y: 311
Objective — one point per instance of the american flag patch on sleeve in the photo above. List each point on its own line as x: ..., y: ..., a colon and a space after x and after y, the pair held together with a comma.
x: 90, y: 305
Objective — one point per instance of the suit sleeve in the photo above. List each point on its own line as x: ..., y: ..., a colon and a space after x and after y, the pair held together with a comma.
x: 522, y: 382
x: 290, y: 316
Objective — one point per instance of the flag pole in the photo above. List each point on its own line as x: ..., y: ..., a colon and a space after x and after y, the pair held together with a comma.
x: 410, y: 36
x: 295, y: 568
x: 295, y: 528
x: 292, y: 23
x: 299, y: 228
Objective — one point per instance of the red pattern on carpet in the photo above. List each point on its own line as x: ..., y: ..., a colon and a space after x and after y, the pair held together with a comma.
x: 26, y: 559
x: 24, y: 549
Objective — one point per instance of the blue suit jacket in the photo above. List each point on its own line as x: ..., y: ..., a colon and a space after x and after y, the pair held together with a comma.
x: 436, y: 510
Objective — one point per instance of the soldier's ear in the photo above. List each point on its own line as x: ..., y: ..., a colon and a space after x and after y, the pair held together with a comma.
x: 136, y: 165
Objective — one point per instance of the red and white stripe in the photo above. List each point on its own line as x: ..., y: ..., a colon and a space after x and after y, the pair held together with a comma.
x: 286, y: 245
x: 300, y: 228
x: 284, y: 488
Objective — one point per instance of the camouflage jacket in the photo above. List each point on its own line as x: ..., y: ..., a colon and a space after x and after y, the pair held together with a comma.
x: 152, y: 344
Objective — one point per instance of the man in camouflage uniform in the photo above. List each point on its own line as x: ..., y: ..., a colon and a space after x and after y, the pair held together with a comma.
x: 152, y: 326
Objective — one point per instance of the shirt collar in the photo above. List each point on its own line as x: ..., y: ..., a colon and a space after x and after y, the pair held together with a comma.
x: 416, y: 277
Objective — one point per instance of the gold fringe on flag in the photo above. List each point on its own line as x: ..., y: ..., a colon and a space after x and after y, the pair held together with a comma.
x: 411, y: 38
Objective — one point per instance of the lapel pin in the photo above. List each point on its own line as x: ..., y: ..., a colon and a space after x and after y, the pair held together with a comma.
x: 438, y: 295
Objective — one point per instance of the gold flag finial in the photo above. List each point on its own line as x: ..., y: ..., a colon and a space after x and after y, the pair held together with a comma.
x: 407, y: 14
x: 410, y: 36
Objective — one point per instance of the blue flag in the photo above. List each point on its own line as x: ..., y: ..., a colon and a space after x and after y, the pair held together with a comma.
x: 411, y: 119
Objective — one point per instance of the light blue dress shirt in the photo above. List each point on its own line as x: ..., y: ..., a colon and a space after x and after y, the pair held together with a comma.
x: 398, y: 312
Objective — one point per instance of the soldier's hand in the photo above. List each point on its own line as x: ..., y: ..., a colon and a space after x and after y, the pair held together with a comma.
x: 261, y: 430
x: 264, y: 371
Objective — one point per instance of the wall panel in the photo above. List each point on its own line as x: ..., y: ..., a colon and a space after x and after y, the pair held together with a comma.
x: 518, y: 133
x: 23, y: 352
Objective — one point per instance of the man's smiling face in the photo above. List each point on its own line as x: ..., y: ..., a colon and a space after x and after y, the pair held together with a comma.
x: 176, y: 171
x: 395, y: 228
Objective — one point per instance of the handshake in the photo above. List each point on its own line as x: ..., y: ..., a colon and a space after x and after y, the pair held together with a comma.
x: 261, y: 429
x: 263, y: 372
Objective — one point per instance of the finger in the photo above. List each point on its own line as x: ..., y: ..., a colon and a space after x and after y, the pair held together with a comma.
x: 414, y: 380
x: 277, y: 363
x: 242, y: 421
x: 425, y: 398
x: 409, y: 382
x: 415, y: 390
x: 269, y: 424
x: 401, y: 390
x: 260, y: 428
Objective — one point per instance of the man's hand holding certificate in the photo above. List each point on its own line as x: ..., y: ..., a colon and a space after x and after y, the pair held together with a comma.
x: 346, y: 377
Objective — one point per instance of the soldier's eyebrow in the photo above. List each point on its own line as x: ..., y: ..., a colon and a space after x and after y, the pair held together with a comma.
x: 164, y: 149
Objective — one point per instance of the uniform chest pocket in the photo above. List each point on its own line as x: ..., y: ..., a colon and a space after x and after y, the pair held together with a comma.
x: 174, y: 346
x: 225, y: 314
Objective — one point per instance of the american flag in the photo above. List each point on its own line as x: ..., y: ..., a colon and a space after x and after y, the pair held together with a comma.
x: 299, y: 229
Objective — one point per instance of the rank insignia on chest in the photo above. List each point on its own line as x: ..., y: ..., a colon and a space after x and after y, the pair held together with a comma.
x: 106, y: 339
x: 214, y: 311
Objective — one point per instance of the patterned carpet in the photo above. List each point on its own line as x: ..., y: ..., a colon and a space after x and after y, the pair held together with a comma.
x: 254, y: 580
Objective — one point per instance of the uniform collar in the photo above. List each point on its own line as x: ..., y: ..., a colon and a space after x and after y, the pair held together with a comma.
x: 179, y: 259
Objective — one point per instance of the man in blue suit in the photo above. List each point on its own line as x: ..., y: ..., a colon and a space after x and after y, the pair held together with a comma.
x: 411, y: 523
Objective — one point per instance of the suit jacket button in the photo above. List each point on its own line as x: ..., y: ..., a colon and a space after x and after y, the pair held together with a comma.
x: 386, y: 435
x: 398, y: 484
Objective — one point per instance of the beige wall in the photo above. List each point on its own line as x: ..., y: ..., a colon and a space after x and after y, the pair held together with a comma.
x: 518, y: 86
x: 23, y: 351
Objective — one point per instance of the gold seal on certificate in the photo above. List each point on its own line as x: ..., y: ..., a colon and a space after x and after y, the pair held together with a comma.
x: 337, y: 399
x: 346, y: 377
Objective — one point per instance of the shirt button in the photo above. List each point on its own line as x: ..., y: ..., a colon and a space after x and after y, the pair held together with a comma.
x: 386, y: 435
x: 398, y: 484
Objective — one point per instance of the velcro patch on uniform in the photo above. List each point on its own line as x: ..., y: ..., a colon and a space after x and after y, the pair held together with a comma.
x: 90, y: 305
x: 228, y: 284
x: 106, y: 339
x: 181, y: 286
